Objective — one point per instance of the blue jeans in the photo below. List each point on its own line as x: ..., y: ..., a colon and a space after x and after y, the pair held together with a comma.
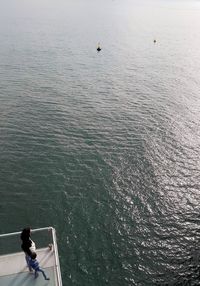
x: 27, y: 261
x: 40, y: 270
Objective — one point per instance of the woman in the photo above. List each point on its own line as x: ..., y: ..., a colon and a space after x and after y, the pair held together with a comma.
x: 28, y: 246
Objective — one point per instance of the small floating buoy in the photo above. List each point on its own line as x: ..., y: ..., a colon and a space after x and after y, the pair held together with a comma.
x: 154, y: 41
x: 98, y: 48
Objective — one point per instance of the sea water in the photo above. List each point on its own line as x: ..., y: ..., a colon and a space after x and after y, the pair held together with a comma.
x: 104, y: 146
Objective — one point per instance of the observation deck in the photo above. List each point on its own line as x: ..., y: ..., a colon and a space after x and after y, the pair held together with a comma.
x: 13, y: 267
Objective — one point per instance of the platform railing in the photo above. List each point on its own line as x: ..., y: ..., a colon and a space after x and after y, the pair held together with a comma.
x: 56, y: 257
x: 11, y: 242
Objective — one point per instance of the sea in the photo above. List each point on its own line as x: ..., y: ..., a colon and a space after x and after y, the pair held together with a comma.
x: 104, y: 146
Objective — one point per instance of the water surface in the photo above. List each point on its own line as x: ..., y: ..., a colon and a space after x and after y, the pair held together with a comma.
x: 104, y: 146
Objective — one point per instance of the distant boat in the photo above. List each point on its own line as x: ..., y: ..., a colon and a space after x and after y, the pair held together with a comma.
x: 154, y: 41
x: 98, y: 48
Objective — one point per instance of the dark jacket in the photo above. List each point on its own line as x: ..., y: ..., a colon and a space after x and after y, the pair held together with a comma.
x: 26, y: 244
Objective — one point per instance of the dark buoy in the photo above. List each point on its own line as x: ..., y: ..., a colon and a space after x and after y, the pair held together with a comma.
x: 98, y: 48
x: 154, y: 41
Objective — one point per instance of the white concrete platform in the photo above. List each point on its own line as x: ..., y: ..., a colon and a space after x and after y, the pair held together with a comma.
x: 14, y: 271
x: 27, y: 279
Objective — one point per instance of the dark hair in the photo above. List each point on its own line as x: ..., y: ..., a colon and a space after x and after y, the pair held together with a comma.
x: 33, y: 255
x: 25, y: 234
